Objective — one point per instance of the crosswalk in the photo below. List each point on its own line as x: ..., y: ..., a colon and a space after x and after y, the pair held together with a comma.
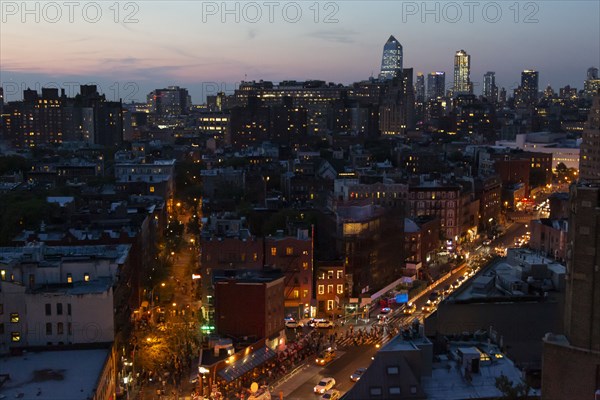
x: 376, y: 333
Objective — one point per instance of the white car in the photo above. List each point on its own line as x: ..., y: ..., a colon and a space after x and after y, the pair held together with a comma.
x: 324, y: 385
x: 291, y: 324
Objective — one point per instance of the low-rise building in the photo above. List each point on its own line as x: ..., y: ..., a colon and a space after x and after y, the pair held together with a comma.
x: 62, y: 295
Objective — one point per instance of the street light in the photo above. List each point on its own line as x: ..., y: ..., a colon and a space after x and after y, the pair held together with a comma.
x: 162, y: 284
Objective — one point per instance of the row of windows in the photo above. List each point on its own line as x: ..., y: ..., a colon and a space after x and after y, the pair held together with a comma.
x: 60, y: 330
x: 339, y: 274
x: 340, y: 289
x: 59, y: 309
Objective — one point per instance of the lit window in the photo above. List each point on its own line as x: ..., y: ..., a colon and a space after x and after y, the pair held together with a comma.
x: 273, y: 251
x: 340, y: 289
x: 289, y: 251
x: 15, y: 336
x: 3, y: 274
x: 329, y: 288
x: 151, y: 189
x: 329, y: 305
x: 340, y: 274
x: 321, y: 289
x: 86, y: 277
x: 14, y: 317
x: 305, y: 265
x: 69, y: 278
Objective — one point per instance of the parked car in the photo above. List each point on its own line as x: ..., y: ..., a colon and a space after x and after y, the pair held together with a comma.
x: 331, y: 395
x: 357, y: 374
x: 324, y: 385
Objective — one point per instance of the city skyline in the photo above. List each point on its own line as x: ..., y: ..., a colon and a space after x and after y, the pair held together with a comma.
x: 203, y: 54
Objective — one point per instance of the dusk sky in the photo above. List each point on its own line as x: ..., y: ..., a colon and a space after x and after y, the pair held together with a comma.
x: 188, y: 44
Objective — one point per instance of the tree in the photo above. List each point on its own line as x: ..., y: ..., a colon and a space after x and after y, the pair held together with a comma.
x: 510, y: 391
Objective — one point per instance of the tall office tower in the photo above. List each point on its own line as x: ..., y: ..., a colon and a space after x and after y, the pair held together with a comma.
x: 591, y: 86
x: 391, y: 61
x: 571, y: 362
x: 502, y: 96
x: 490, y: 90
x: 436, y: 85
x: 420, y: 88
x: 528, y: 91
x: 462, y: 73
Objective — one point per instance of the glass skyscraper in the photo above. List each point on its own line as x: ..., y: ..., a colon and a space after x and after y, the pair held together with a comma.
x: 391, y: 62
x: 436, y: 85
x: 490, y: 90
x: 529, y: 87
x: 462, y: 72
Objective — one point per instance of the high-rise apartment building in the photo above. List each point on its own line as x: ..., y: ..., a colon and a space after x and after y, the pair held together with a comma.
x: 571, y: 362
x: 420, y: 87
x: 462, y: 73
x: 436, y: 85
x: 490, y: 90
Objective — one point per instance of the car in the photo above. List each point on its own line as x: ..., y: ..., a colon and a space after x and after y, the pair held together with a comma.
x: 331, y: 395
x: 324, y: 385
x: 487, y: 242
x: 357, y: 374
x: 291, y: 324
x: 323, y: 323
x: 325, y: 356
x: 386, y: 310
x: 427, y: 308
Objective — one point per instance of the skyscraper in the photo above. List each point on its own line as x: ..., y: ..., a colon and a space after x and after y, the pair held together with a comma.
x: 462, y: 73
x: 391, y: 61
x: 420, y: 87
x: 490, y: 90
x: 571, y: 362
x: 436, y: 85
x: 592, y: 83
x: 527, y: 94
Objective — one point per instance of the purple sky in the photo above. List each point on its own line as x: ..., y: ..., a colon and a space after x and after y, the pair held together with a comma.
x: 130, y: 49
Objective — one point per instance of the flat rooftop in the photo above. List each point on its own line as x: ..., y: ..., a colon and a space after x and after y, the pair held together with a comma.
x: 53, y: 375
x: 448, y: 382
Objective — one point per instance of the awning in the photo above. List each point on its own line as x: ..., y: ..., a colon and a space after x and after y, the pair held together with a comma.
x: 246, y: 364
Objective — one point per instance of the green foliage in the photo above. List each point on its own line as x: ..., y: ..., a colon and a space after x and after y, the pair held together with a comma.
x: 511, y: 391
x: 22, y: 210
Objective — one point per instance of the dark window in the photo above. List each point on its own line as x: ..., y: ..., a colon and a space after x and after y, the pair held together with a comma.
x: 48, y: 309
x: 375, y: 390
x: 58, y: 308
x: 48, y: 328
x: 59, y: 328
x: 69, y: 309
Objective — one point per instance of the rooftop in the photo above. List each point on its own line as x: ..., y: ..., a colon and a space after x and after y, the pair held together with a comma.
x: 449, y: 381
x: 53, y: 375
